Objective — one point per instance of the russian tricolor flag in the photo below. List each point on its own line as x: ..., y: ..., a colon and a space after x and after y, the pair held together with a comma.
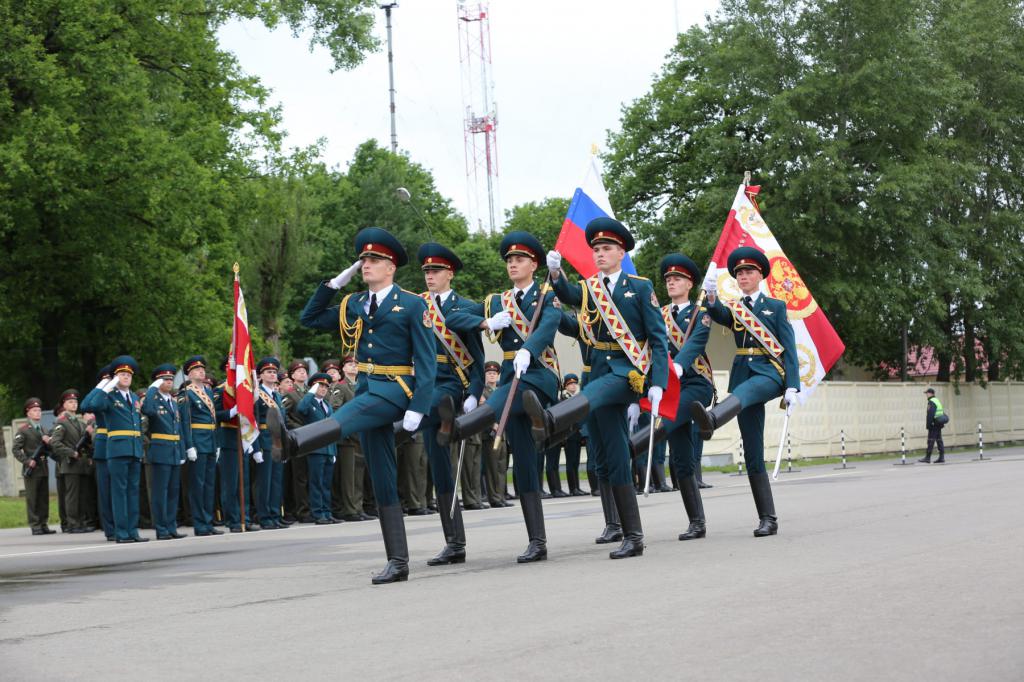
x: 589, y: 201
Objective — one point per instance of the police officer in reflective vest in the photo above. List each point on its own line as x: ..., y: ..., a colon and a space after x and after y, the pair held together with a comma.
x: 934, y: 421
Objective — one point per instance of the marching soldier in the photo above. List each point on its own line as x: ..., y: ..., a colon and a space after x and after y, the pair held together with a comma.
x: 313, y: 408
x: 495, y: 458
x: 199, y: 422
x: 620, y: 316
x: 527, y: 355
x: 230, y: 476
x: 691, y: 365
x: 99, y: 454
x: 71, y: 443
x: 166, y: 452
x: 31, y: 443
x: 459, y: 384
x: 296, y: 473
x: 269, y: 474
x: 765, y: 367
x: 388, y: 329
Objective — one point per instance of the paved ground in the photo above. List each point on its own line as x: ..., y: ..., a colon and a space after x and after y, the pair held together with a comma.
x: 880, y: 572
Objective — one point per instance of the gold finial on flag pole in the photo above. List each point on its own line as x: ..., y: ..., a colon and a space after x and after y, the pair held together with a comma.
x: 593, y: 148
x: 234, y: 269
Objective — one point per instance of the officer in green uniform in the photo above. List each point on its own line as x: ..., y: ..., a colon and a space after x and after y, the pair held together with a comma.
x: 622, y: 321
x: 99, y: 453
x: 124, y: 446
x: 315, y: 407
x: 531, y: 357
x: 199, y: 430
x: 934, y: 421
x: 228, y: 463
x: 495, y: 459
x: 349, y: 468
x: 692, y: 367
x: 166, y: 451
x: 269, y: 473
x: 389, y: 331
x: 574, y: 443
x: 31, y: 443
x: 765, y: 367
x: 296, y: 472
x: 71, y: 443
x: 411, y: 459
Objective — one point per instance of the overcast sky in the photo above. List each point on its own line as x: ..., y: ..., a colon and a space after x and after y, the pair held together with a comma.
x: 562, y: 69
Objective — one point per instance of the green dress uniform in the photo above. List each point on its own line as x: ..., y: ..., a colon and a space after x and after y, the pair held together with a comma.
x: 347, y: 486
x: 319, y: 463
x: 617, y: 377
x: 269, y: 473
x: 541, y: 377
x: 390, y: 332
x: 165, y: 455
x: 296, y: 472
x: 72, y: 446
x: 28, y: 445
x: 495, y: 459
x: 99, y: 454
x: 233, y: 473
x: 765, y: 366
x: 199, y: 422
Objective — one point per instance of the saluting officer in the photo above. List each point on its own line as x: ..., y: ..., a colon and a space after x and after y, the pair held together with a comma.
x: 389, y: 330
x: 99, y: 452
x: 166, y: 452
x: 691, y: 365
x: 765, y: 367
x: 530, y: 356
x: 269, y: 474
x: 621, y: 319
x: 313, y: 408
x: 71, y: 443
x: 30, y: 445
x: 199, y: 421
x: 228, y: 440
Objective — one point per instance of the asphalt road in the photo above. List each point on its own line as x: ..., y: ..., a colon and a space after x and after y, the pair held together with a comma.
x: 879, y: 572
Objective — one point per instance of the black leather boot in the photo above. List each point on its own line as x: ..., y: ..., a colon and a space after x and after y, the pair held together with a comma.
x: 612, y: 526
x: 392, y: 526
x: 572, y: 479
x: 927, y: 459
x: 658, y: 480
x: 632, y: 530
x: 454, y: 428
x: 561, y: 416
x: 291, y: 443
x: 709, y: 420
x: 592, y: 482
x: 533, y: 514
x: 454, y: 551
x: 762, y: 489
x: 640, y: 439
x: 694, y: 509
x: 555, y: 484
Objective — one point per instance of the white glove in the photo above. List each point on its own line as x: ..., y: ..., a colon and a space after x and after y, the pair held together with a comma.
x: 333, y: 460
x: 257, y: 457
x: 345, y: 276
x: 521, y: 361
x: 103, y: 383
x: 710, y: 284
x: 554, y: 261
x: 633, y: 416
x: 499, y: 321
x: 654, y: 394
x: 470, y: 404
x: 232, y: 412
x: 411, y: 420
x: 156, y: 384
x: 678, y: 369
x: 192, y: 454
x: 790, y: 396
x: 216, y: 455
x: 110, y: 385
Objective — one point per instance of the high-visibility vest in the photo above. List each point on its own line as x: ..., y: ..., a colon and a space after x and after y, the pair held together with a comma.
x: 938, y: 406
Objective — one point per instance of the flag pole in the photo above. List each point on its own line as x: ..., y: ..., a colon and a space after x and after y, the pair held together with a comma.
x: 238, y: 431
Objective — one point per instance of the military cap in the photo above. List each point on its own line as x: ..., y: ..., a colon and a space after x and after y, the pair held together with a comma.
x: 124, y: 363
x: 519, y: 243
x: 297, y: 364
x: 748, y: 257
x: 379, y: 243
x: 606, y: 230
x: 69, y: 394
x: 267, y: 362
x: 492, y: 366
x: 320, y: 378
x: 164, y: 371
x: 33, y: 402
x: 433, y: 256
x: 281, y: 376
x: 678, y: 264
x: 105, y: 373
x: 347, y: 359
x: 930, y: 391
x: 331, y: 364
x: 570, y: 379
x: 195, y: 361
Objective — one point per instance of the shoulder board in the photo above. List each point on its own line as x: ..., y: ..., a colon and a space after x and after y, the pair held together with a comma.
x: 25, y: 427
x: 62, y: 417
x: 646, y: 279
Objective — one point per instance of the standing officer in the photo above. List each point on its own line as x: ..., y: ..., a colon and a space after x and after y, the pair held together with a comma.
x: 319, y: 463
x: 99, y: 453
x: 495, y: 458
x: 691, y: 365
x: 269, y: 474
x: 31, y: 443
x: 72, y: 445
x: 531, y: 357
x: 574, y: 443
x: 935, y: 419
x: 765, y: 367
x: 388, y: 330
x: 296, y: 473
x: 620, y: 316
x: 166, y: 452
x: 199, y: 422
x: 349, y: 467
x: 459, y: 384
x: 230, y: 475
x: 124, y: 446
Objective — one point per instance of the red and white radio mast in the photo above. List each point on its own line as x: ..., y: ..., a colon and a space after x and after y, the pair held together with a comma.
x: 481, y: 122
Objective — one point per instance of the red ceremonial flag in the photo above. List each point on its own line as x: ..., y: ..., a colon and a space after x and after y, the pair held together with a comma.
x: 669, y: 405
x: 239, y: 387
x: 818, y: 344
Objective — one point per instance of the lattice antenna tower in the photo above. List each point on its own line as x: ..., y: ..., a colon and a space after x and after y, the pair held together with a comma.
x: 481, y: 122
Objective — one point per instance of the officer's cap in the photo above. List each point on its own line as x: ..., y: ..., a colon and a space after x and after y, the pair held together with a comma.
x: 193, y: 362
x: 606, y: 230
x: 124, y: 363
x: 69, y: 394
x: 297, y: 364
x: 267, y: 363
x: 333, y: 363
x: 677, y: 264
x: 347, y: 359
x: 105, y: 373
x: 33, y: 402
x: 434, y: 256
x: 519, y: 243
x: 570, y: 379
x: 748, y: 257
x: 164, y: 371
x: 492, y: 366
x: 379, y: 243
x: 320, y: 378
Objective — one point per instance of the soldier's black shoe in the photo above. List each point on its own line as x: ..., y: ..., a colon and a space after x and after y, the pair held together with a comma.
x: 252, y: 527
x: 175, y: 535
x: 632, y: 530
x: 762, y: 490
x: 392, y: 526
x: 465, y: 426
x: 533, y: 515
x: 454, y: 551
x: 927, y: 459
x: 940, y: 460
x: 709, y: 420
x: 704, y: 486
x: 658, y: 480
x: 124, y: 541
x: 291, y: 443
x: 164, y: 537
x: 612, y: 526
x: 139, y: 539
x: 213, y: 531
x: 47, y: 530
x: 555, y: 484
x: 694, y: 509
x: 235, y: 529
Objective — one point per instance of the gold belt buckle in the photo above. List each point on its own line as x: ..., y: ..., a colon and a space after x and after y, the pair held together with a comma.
x: 370, y: 367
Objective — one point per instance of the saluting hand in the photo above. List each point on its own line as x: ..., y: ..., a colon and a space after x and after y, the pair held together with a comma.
x: 346, y: 275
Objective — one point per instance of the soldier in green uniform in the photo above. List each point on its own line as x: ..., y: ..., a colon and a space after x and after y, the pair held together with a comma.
x: 349, y: 468
x: 296, y: 472
x: 199, y: 430
x: 314, y: 407
x: 765, y: 367
x: 622, y: 321
x: 269, y: 473
x: 231, y: 476
x: 166, y: 451
x: 412, y: 474
x: 99, y: 454
x: 495, y: 458
x: 71, y: 443
x: 31, y: 443
x: 574, y: 443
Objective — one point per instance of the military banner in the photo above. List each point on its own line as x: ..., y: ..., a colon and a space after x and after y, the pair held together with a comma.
x: 238, y: 390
